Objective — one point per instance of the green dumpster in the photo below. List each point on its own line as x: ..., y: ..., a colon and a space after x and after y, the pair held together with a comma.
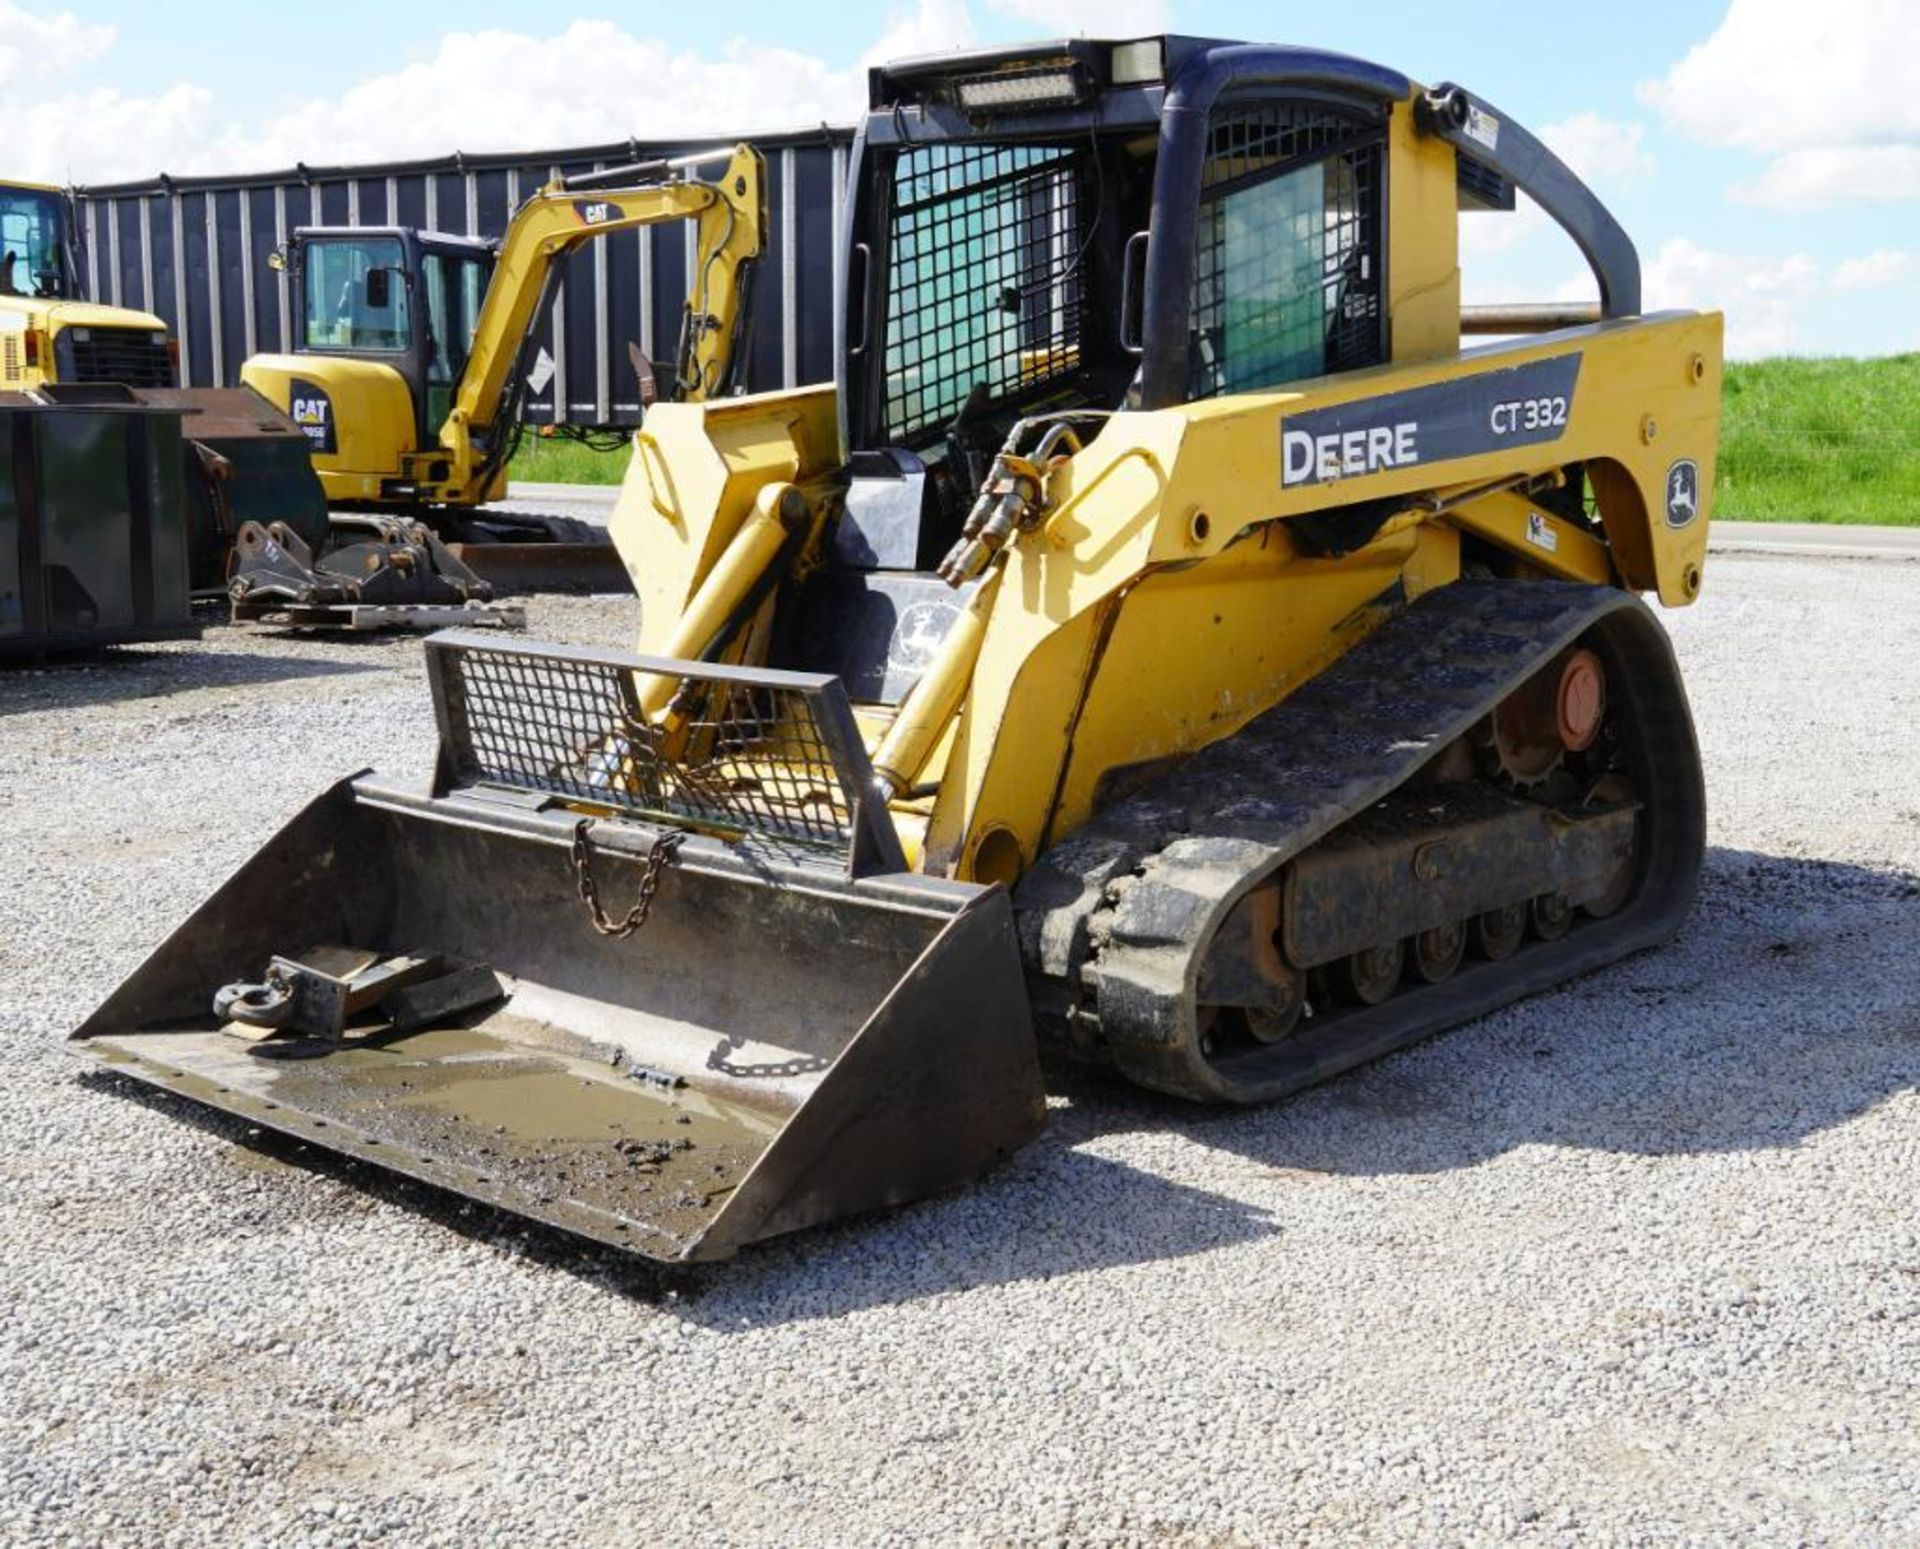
x: 93, y: 526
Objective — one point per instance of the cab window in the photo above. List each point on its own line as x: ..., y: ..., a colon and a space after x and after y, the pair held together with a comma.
x: 32, y: 232
x: 1287, y: 280
x: 454, y: 287
x: 356, y: 295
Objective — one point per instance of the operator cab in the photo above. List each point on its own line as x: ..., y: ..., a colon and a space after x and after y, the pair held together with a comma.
x: 410, y: 299
x: 1032, y: 232
x: 36, y: 258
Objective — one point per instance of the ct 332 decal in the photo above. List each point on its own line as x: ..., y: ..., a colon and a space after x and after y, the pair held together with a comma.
x: 1463, y: 417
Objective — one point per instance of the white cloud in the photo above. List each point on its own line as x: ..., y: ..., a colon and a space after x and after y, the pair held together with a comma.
x: 1763, y: 298
x: 1602, y: 152
x: 42, y: 43
x: 1089, y: 18
x: 477, y: 91
x: 1876, y: 270
x: 98, y: 135
x: 1826, y: 89
x: 1600, y: 149
x: 1822, y: 175
x: 927, y: 27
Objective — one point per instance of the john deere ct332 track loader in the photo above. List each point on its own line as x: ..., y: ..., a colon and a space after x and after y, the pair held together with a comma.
x: 1162, y: 640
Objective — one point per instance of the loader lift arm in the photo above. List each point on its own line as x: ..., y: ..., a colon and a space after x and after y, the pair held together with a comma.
x: 563, y: 217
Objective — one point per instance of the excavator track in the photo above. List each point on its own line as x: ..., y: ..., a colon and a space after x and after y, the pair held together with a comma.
x: 1117, y: 923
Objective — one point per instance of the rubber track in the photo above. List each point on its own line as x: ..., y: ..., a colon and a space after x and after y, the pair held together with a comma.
x: 1113, y: 921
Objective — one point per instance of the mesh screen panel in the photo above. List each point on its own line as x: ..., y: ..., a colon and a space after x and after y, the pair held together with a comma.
x: 982, y: 276
x: 1287, y: 261
x: 760, y: 757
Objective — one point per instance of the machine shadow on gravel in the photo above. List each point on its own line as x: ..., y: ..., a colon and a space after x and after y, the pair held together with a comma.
x: 108, y: 677
x: 1710, y: 1044
x: 1039, y: 1214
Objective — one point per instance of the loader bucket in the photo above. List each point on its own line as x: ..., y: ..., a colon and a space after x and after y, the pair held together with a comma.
x: 781, y: 1043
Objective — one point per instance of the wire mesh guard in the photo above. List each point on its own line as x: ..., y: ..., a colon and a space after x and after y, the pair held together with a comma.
x: 982, y: 277
x: 764, y: 753
x: 1287, y: 263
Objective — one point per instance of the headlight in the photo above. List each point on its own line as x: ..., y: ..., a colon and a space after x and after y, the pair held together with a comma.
x: 1137, y: 63
x: 1028, y: 89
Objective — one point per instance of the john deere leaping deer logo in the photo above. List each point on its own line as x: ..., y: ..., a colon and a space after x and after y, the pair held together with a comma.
x: 1683, y: 492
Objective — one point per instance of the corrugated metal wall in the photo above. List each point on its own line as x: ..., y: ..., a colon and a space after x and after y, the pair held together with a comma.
x: 194, y: 251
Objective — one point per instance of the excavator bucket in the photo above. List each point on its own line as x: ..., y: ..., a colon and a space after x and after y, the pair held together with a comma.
x: 660, y: 980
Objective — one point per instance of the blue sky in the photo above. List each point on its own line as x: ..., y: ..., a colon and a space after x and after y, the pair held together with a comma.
x: 1765, y: 154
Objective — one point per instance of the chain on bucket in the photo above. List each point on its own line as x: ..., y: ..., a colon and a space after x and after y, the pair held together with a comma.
x: 659, y: 855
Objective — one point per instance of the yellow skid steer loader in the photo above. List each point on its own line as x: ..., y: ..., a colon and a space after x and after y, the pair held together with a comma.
x: 1163, y: 642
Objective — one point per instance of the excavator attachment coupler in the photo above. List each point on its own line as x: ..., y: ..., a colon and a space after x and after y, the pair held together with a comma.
x: 657, y: 979
x: 379, y: 572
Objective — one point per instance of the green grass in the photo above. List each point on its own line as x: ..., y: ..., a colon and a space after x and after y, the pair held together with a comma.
x: 1800, y: 441
x: 1821, y: 441
x: 555, y: 460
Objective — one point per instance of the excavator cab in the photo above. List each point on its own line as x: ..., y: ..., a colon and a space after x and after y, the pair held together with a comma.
x: 401, y: 304
x: 1163, y: 639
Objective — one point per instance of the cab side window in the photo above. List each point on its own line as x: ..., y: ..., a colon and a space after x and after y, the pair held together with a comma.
x: 1287, y: 264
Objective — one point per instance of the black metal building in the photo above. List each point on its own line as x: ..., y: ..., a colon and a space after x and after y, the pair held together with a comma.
x: 194, y: 251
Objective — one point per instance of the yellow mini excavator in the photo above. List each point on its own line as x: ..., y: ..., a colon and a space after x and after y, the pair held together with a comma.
x: 413, y: 351
x: 1163, y: 642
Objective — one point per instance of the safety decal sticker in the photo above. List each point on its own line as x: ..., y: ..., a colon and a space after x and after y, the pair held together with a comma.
x: 1540, y: 533
x: 542, y: 372
x: 1483, y: 127
x: 1486, y: 412
x: 1683, y: 492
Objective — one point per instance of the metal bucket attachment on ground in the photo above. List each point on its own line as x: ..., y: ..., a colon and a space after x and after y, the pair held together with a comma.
x: 378, y: 572
x: 795, y: 1032
x: 243, y: 460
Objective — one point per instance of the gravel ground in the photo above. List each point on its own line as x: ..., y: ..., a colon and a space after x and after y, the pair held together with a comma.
x: 1636, y: 1262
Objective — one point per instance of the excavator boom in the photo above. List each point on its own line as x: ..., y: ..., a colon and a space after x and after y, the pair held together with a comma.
x: 729, y: 215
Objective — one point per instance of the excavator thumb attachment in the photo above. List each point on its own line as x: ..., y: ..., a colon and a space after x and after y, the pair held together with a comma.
x: 784, y: 1028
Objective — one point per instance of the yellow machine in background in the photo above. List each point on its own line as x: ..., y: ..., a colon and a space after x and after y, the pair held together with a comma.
x: 47, y: 333
x: 1163, y: 641
x: 411, y: 357
x: 244, y: 460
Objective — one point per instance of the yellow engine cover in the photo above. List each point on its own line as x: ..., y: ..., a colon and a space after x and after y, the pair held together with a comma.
x: 358, y: 416
x: 23, y: 366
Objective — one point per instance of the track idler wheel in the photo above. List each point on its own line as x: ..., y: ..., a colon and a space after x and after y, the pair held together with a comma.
x: 1248, y: 991
x: 1369, y: 976
x: 1269, y: 1024
x: 1437, y: 952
